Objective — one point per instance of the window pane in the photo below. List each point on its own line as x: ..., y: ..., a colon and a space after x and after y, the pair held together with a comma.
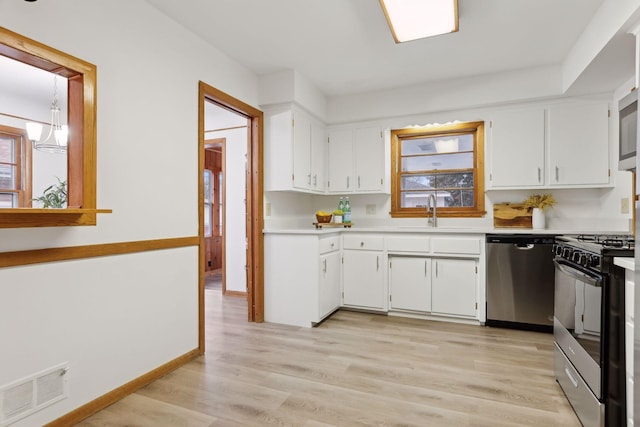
x: 437, y: 145
x: 7, y: 154
x: 418, y: 182
x: 460, y: 198
x: 454, y: 180
x: 437, y: 180
x: 418, y: 199
x: 414, y: 199
x: 8, y: 200
x: 7, y: 177
x: 437, y: 162
x: 444, y: 198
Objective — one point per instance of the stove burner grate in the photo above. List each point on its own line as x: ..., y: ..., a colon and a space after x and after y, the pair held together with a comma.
x: 608, y: 241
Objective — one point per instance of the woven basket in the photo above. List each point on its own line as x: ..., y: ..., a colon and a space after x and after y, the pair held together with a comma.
x: 323, y: 219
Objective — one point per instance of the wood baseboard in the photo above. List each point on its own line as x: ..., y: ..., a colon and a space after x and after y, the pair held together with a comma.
x: 119, y: 393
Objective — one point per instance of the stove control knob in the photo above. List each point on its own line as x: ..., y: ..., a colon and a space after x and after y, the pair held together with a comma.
x: 566, y: 253
x: 584, y: 260
x: 576, y: 255
x: 557, y: 250
x: 594, y: 261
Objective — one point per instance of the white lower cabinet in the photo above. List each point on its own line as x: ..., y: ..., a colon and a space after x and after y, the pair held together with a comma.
x: 363, y: 270
x: 363, y: 280
x: 329, y: 286
x: 301, y: 278
x: 309, y: 276
x: 410, y: 283
x: 453, y: 287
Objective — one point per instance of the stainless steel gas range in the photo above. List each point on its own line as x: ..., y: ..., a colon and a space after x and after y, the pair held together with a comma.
x: 588, y: 328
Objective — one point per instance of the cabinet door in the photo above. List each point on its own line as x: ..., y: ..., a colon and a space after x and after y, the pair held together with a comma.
x: 341, y: 162
x: 301, y: 151
x: 579, y: 144
x: 517, y: 148
x: 329, y: 291
x: 363, y: 283
x: 410, y: 283
x: 318, y: 146
x: 453, y: 287
x: 369, y: 159
x: 278, y: 150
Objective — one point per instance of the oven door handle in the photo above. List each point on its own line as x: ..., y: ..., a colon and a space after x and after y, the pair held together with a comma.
x: 577, y: 272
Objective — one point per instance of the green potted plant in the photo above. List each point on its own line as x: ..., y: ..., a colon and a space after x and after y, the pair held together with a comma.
x: 337, y: 216
x: 54, y: 196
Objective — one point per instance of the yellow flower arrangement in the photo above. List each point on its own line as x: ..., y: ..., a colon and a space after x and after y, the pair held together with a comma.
x: 542, y: 201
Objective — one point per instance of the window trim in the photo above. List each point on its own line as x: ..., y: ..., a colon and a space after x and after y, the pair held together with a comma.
x: 23, y: 164
x: 81, y: 154
x: 475, y: 128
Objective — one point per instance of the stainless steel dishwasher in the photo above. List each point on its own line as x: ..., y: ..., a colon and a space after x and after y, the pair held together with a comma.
x: 520, y: 280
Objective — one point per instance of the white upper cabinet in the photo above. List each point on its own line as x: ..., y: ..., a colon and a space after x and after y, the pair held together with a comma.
x: 563, y: 145
x: 578, y: 144
x: 318, y: 156
x: 369, y: 156
x: 517, y: 148
x: 301, y: 126
x: 294, y: 154
x: 356, y: 161
x: 340, y: 161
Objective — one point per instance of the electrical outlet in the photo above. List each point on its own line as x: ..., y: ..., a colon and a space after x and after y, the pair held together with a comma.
x: 624, y: 205
x: 371, y: 209
x: 267, y: 209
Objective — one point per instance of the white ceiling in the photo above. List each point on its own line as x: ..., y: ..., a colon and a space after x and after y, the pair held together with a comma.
x: 345, y: 46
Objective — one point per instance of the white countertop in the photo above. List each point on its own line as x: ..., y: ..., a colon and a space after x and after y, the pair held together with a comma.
x: 625, y: 262
x: 427, y: 230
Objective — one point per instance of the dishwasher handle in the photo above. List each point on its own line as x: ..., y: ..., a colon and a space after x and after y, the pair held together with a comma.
x: 524, y: 246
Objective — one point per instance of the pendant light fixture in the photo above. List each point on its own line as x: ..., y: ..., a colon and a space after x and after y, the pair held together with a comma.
x: 56, y: 140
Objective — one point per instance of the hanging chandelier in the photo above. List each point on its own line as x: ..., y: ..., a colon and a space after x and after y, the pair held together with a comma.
x: 56, y: 140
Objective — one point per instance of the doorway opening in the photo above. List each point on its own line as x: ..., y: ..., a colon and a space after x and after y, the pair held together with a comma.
x: 214, y: 210
x: 250, y: 214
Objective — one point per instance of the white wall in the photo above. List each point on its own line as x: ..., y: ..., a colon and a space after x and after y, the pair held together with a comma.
x: 288, y: 86
x: 607, y: 21
x: 116, y: 318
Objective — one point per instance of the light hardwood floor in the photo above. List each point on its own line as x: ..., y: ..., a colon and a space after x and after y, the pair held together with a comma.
x: 355, y: 369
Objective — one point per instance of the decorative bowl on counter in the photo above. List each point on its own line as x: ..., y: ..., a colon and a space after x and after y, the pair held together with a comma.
x: 323, y: 219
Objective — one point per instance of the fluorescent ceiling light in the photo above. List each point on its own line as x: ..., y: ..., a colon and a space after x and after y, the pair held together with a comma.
x: 416, y: 19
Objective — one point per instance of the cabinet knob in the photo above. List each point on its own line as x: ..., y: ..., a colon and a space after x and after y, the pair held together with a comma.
x: 361, y: 244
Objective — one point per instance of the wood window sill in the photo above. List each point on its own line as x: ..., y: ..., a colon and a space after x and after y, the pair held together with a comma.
x: 38, y: 217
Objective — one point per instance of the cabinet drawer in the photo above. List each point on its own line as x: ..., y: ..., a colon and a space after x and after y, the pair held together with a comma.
x: 369, y: 243
x: 456, y: 245
x: 408, y: 244
x: 329, y: 244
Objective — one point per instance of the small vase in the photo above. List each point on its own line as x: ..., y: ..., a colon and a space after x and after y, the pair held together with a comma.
x: 537, y: 219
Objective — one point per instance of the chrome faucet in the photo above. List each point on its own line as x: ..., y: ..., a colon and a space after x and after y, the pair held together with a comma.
x: 431, y: 207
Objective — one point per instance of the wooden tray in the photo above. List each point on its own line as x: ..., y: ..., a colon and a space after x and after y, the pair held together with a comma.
x: 511, y: 215
x: 332, y: 224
